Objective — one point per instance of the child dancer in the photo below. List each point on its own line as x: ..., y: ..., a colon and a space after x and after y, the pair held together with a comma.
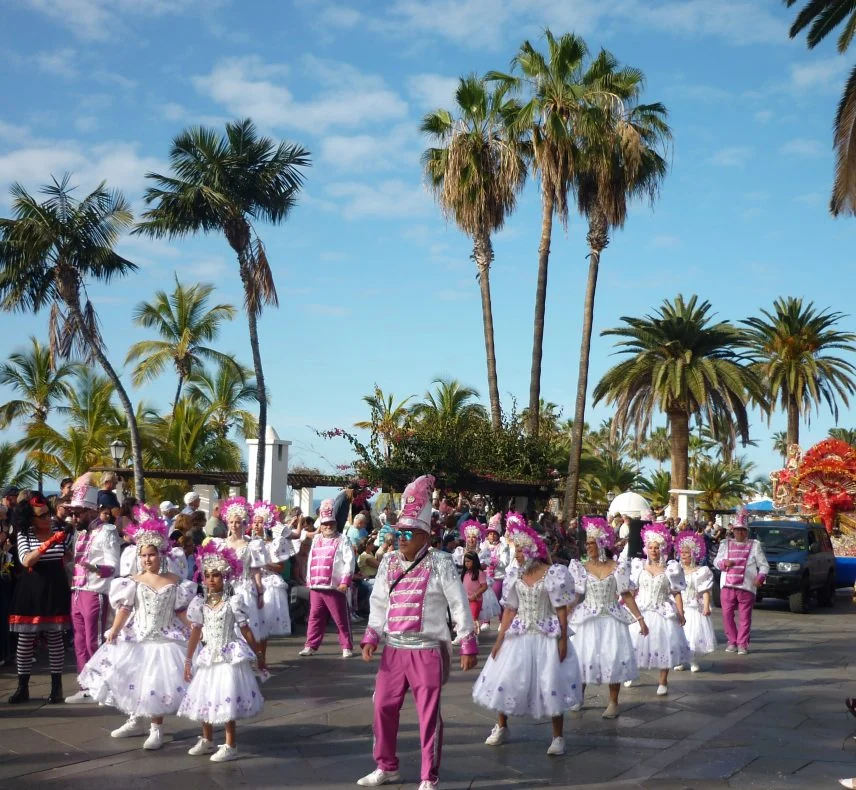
x: 659, y: 601
x: 475, y: 583
x: 251, y: 553
x: 140, y: 668
x: 222, y: 685
x: 495, y: 555
x: 533, y: 669
x: 331, y: 566
x: 698, y: 627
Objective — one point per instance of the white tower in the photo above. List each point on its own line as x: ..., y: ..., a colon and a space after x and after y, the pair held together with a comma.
x: 276, y: 468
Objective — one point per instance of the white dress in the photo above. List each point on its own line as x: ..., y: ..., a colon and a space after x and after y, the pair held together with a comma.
x: 252, y: 555
x: 142, y: 672
x: 494, y: 560
x: 698, y: 629
x: 601, y: 626
x: 275, y: 616
x: 223, y: 687
x: 527, y: 678
x: 665, y: 646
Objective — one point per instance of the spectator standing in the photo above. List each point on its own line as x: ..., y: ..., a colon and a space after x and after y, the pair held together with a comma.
x: 107, y: 492
x: 191, y: 503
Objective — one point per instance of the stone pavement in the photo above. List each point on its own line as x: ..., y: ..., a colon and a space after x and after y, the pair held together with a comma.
x: 772, y: 719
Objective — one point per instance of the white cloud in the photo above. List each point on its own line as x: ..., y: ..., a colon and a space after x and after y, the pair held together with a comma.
x: 468, y: 22
x: 363, y: 152
x: 393, y: 199
x: 735, y: 156
x: 340, y: 16
x: 112, y: 78
x: 173, y: 112
x: 808, y: 149
x: 250, y: 87
x: 85, y: 123
x: 13, y: 133
x: 431, y: 91
x: 763, y: 116
x: 665, y: 241
x: 59, y: 63
x: 818, y: 74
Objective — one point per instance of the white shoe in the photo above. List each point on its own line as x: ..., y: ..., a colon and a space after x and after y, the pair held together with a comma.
x: 377, y: 778
x: 678, y: 668
x: 79, y: 698
x: 628, y: 684
x: 557, y: 747
x: 577, y: 707
x: 225, y: 754
x: 695, y: 668
x: 307, y: 651
x: 426, y: 785
x: 457, y: 640
x: 611, y: 711
x: 731, y: 648
x: 662, y: 690
x: 134, y: 726
x: 484, y: 627
x: 347, y: 653
x: 155, y: 739
x: 742, y: 651
x: 498, y: 736
x: 847, y: 782
x: 202, y: 747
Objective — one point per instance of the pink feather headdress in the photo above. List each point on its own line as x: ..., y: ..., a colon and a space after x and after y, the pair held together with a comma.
x: 217, y: 556
x: 473, y: 529
x: 264, y: 509
x: 598, y: 530
x: 235, y: 506
x: 525, y: 538
x: 697, y: 546
x: 657, y: 533
x: 151, y: 532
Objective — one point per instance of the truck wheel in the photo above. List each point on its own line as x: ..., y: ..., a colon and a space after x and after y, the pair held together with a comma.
x: 799, y: 600
x: 826, y: 594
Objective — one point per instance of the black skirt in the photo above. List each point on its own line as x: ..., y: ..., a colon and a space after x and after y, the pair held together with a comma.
x: 42, y: 600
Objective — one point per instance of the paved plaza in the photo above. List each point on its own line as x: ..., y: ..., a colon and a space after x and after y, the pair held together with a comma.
x: 772, y: 719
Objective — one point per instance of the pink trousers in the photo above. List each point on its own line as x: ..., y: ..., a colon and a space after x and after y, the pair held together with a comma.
x: 324, y: 604
x: 497, y: 588
x: 421, y: 671
x: 89, y: 621
x: 734, y: 601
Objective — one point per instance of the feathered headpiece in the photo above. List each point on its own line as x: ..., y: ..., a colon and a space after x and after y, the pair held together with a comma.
x: 416, y: 504
x: 473, y: 529
x: 657, y: 533
x: 741, y: 518
x: 266, y: 510
x: 695, y: 542
x: 325, y: 512
x: 598, y: 530
x: 495, y: 523
x: 235, y: 506
x: 525, y: 538
x: 217, y: 556
x: 150, y: 532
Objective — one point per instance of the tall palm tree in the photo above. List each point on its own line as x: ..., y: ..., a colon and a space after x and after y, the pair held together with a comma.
x: 621, y: 156
x: 656, y: 486
x: 723, y: 485
x: 23, y: 475
x: 780, y: 443
x: 185, y: 321
x: 658, y: 446
x: 680, y: 363
x: 821, y: 17
x: 48, y: 252
x: 42, y: 386
x: 555, y: 87
x: 388, y: 416
x: 226, y: 391
x: 547, y: 421
x: 451, y: 402
x: 224, y: 182
x: 476, y: 171
x: 792, y: 348
x: 844, y: 434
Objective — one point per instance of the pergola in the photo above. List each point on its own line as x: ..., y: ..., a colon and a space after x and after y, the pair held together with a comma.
x: 191, y: 476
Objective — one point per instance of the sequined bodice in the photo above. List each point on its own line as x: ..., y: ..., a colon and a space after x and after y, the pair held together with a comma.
x: 601, y: 594
x: 534, y: 605
x: 155, y: 609
x: 653, y: 590
x: 219, y: 627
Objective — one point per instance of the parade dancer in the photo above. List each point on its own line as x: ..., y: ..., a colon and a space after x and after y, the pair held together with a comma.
x: 251, y: 553
x: 533, y: 669
x: 698, y: 628
x: 413, y: 590
x: 744, y: 567
x: 222, y: 686
x: 473, y: 533
x: 96, y: 561
x: 331, y: 566
x: 129, y: 559
x: 659, y: 600
x: 601, y: 625
x: 495, y: 555
x: 140, y: 668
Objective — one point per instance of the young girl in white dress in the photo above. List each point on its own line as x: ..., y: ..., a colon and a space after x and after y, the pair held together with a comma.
x: 222, y: 686
x: 698, y: 627
x: 601, y: 624
x: 658, y: 597
x: 140, y: 667
x: 532, y: 669
x: 495, y: 555
x: 236, y: 512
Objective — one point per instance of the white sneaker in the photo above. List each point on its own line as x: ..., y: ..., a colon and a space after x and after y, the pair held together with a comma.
x: 662, y: 690
x: 155, y: 739
x: 202, y: 747
x: 557, y: 747
x: 731, y: 648
x: 742, y: 651
x: 134, y: 726
x: 79, y: 698
x: 377, y: 778
x: 628, y: 684
x: 225, y: 754
x: 498, y: 736
x: 577, y: 707
x: 427, y: 785
x: 678, y: 668
x: 307, y: 651
x: 347, y: 653
x: 695, y: 668
x: 484, y: 627
x: 457, y: 640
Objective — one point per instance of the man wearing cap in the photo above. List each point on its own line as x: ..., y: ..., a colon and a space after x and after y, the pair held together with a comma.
x: 744, y: 567
x: 330, y: 568
x: 191, y: 503
x: 168, y: 511
x: 414, y: 588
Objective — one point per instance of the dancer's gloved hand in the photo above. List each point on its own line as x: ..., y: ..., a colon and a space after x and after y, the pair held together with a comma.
x: 57, y: 537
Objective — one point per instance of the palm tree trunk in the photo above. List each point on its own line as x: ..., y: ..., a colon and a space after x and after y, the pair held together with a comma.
x: 483, y: 257
x: 178, y: 392
x: 540, y: 310
x: 793, y: 423
x: 572, y: 482
x: 679, y: 422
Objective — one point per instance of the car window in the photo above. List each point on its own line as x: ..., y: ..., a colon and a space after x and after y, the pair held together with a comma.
x: 780, y: 540
x: 825, y: 543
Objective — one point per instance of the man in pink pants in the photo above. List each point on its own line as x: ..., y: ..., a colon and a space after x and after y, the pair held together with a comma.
x: 744, y: 567
x: 414, y: 588
x: 329, y: 569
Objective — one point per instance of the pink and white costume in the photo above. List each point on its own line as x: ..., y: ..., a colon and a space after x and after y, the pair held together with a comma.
x: 412, y: 620
x: 274, y: 615
x: 698, y: 627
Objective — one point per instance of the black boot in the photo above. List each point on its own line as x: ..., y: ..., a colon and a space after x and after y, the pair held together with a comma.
x: 56, y: 689
x: 22, y: 693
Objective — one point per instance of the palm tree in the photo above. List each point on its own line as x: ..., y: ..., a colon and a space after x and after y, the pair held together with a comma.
x: 224, y: 183
x: 451, y: 402
x: 48, y: 252
x: 388, y: 416
x: 844, y: 434
x: 555, y: 87
x: 723, y: 485
x: 780, y: 443
x: 612, y: 474
x: 226, y: 391
x: 658, y: 446
x: 476, y: 172
x: 682, y: 364
x: 22, y: 476
x: 822, y: 17
x: 621, y: 157
x: 547, y: 420
x: 185, y: 321
x: 42, y: 386
x: 791, y: 349
x: 656, y: 487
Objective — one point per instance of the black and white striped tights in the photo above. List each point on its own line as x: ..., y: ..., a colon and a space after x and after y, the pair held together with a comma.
x: 27, y: 649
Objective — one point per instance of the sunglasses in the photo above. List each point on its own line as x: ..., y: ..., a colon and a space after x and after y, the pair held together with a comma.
x: 406, y: 534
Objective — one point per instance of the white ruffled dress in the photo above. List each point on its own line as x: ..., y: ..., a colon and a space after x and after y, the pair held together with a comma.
x: 142, y: 672
x: 275, y: 616
x: 252, y: 555
x: 527, y: 678
x: 698, y: 628
x: 665, y: 646
x: 602, y: 626
x: 223, y: 687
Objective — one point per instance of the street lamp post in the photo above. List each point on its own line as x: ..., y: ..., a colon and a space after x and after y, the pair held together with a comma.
x: 117, y: 453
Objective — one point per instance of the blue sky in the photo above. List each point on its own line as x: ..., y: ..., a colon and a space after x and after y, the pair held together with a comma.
x: 375, y: 286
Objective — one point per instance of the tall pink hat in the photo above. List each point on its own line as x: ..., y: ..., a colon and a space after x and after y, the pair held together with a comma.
x: 84, y: 495
x: 697, y: 546
x: 326, y: 514
x: 416, y: 504
x: 495, y: 523
x: 473, y: 529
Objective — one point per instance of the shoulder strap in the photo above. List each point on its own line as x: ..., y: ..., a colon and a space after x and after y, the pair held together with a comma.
x: 409, y: 568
